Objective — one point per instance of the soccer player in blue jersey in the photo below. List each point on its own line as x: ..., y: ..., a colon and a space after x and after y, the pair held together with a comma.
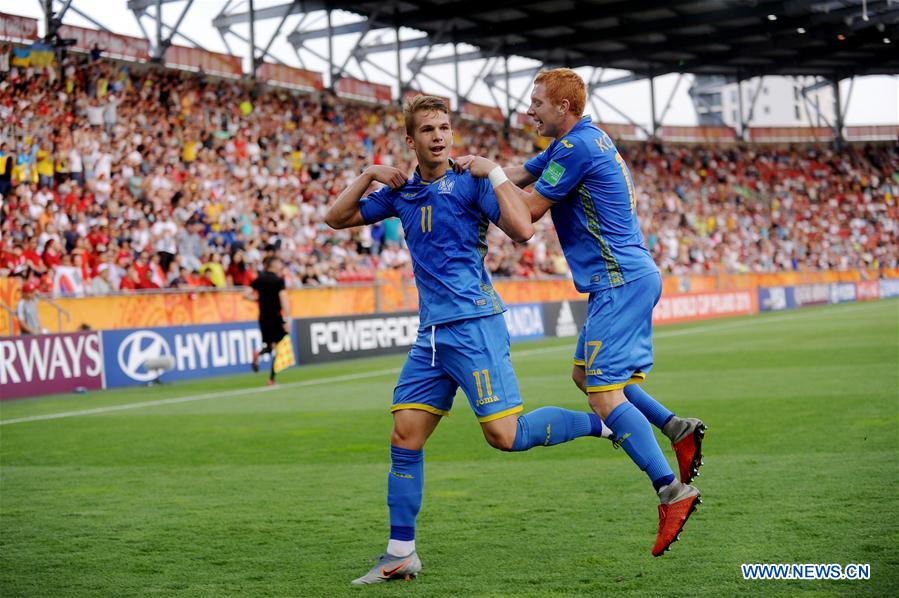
x: 463, y: 340
x: 586, y: 185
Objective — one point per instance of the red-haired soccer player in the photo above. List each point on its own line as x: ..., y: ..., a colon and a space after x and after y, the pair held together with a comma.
x: 583, y: 180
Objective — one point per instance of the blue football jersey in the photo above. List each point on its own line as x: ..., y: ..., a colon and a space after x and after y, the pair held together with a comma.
x: 445, y: 223
x: 594, y: 208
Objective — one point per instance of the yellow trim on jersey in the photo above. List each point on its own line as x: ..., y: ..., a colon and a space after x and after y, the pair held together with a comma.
x: 437, y: 180
x: 636, y: 378
x: 420, y: 407
x: 501, y: 414
x: 579, y: 362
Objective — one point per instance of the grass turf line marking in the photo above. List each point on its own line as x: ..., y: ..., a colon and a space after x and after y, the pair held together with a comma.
x: 203, y: 397
x: 375, y: 374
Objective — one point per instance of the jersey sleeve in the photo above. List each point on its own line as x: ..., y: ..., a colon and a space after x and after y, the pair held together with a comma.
x: 377, y: 206
x: 536, y: 164
x: 568, y: 161
x: 486, y: 198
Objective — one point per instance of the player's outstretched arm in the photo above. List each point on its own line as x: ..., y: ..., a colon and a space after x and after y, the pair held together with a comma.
x: 519, y: 176
x: 345, y: 212
x: 515, y: 219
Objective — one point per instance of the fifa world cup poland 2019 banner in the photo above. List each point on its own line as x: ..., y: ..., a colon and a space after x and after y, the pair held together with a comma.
x: 196, y: 352
x: 700, y: 306
x: 50, y: 363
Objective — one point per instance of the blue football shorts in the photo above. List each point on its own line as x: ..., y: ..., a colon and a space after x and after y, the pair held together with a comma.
x: 473, y: 354
x: 615, y: 344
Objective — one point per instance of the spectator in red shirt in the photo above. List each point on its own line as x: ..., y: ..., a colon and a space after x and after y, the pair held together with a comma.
x: 32, y: 258
x: 131, y: 281
x: 51, y: 255
x: 238, y: 273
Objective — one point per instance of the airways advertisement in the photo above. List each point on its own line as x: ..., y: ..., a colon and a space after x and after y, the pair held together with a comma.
x: 50, y: 363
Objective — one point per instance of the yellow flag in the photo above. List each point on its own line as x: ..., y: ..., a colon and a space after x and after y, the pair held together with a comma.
x: 284, y: 357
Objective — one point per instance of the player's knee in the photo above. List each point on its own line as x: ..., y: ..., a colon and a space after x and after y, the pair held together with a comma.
x: 603, y: 403
x: 407, y: 438
x: 503, y: 443
x: 500, y: 439
x: 579, y: 377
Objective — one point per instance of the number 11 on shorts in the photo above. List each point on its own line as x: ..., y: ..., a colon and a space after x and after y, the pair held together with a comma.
x: 477, y: 381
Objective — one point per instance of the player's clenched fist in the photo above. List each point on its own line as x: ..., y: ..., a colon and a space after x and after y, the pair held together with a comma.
x: 477, y: 165
x: 390, y: 176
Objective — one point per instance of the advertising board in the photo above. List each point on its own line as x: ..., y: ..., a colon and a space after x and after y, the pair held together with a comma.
x: 50, y: 363
x: 197, y: 351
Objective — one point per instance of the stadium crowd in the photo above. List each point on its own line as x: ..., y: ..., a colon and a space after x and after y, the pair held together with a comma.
x: 128, y: 176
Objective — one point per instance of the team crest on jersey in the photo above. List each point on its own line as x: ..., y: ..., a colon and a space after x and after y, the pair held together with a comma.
x: 445, y: 186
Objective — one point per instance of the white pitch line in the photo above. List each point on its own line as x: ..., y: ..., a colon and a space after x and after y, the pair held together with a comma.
x: 375, y: 374
x: 203, y: 397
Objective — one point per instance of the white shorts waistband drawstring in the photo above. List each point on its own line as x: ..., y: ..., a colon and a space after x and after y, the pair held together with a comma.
x: 433, y: 345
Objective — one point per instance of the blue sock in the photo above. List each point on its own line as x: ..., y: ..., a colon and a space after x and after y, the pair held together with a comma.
x: 657, y: 414
x: 553, y: 425
x: 640, y: 444
x: 405, y: 484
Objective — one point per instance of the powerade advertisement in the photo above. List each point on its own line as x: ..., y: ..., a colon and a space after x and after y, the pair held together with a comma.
x: 197, y: 351
x: 331, y: 339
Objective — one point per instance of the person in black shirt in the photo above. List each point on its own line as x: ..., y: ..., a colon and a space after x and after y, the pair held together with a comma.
x: 271, y: 294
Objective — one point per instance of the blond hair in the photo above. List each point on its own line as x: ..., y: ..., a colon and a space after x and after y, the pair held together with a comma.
x: 564, y: 84
x: 421, y: 103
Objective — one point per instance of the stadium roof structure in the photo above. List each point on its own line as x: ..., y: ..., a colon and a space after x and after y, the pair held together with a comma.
x: 654, y: 37
x: 740, y: 39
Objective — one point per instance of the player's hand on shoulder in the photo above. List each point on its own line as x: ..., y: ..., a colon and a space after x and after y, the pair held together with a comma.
x: 460, y: 165
x: 477, y: 165
x: 390, y: 176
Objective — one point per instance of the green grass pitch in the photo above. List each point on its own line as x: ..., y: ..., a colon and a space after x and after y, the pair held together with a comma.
x: 281, y: 492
